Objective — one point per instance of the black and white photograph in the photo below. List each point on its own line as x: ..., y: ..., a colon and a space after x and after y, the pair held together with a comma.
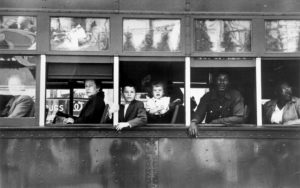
x: 149, y: 94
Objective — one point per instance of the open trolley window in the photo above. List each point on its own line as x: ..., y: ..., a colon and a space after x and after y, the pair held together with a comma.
x: 68, y: 94
x: 215, y: 102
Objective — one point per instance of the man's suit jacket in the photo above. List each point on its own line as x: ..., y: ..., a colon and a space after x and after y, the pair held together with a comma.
x: 20, y: 106
x: 135, y: 114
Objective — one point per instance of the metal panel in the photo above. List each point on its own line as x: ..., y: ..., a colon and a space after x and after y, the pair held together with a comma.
x: 245, y: 6
x: 36, y: 163
x: 79, y: 158
x: 149, y: 5
x: 58, y: 4
x: 228, y: 163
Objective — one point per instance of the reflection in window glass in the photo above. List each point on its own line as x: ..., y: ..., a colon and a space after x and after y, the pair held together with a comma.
x: 18, y: 32
x: 17, y: 86
x: 159, y: 86
x: 151, y: 35
x: 56, y: 100
x: 280, y: 92
x: 223, y: 35
x: 282, y: 35
x: 79, y: 34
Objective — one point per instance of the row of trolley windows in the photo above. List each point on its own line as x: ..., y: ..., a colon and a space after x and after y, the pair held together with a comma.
x: 160, y: 86
x: 93, y: 34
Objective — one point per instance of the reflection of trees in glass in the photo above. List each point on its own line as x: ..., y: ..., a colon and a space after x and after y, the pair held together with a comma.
x: 151, y: 35
x: 147, y: 44
x: 247, y: 43
x: 128, y: 44
x: 273, y: 38
x: 203, y: 42
x: 163, y: 44
x: 298, y: 44
x: 227, y: 43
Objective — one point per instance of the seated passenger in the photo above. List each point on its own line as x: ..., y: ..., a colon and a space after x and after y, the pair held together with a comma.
x: 221, y: 105
x: 94, y: 108
x: 158, y: 107
x: 132, y: 113
x: 19, y: 105
x: 284, y: 109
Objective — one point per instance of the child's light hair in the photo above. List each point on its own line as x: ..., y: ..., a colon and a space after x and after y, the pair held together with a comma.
x: 159, y: 84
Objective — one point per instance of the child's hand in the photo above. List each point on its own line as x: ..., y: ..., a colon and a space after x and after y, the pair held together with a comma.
x: 122, y: 125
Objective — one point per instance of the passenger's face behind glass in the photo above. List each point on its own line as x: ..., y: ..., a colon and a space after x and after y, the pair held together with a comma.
x: 129, y: 94
x: 158, y: 92
x: 222, y: 82
x: 285, y: 92
x: 15, y: 85
x: 91, y: 88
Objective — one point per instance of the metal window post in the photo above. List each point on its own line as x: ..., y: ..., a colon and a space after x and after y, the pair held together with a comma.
x: 187, y: 91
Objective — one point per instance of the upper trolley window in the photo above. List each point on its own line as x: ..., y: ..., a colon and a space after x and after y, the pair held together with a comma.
x: 18, y: 32
x: 18, y: 86
x: 151, y: 35
x: 79, y: 34
x: 282, y: 35
x: 223, y: 35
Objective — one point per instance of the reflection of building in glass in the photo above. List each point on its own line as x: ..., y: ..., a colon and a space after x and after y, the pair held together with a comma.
x: 79, y: 34
x: 18, y: 32
x: 282, y: 35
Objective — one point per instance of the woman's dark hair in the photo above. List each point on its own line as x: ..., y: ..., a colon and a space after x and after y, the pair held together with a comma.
x: 97, y: 82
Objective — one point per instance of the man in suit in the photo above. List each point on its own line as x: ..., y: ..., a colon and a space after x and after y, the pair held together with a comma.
x: 132, y: 113
x: 19, y: 105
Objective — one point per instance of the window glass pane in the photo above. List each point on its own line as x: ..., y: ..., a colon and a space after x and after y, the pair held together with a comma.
x: 160, y: 86
x: 280, y: 91
x: 79, y: 92
x: 151, y: 35
x: 282, y: 35
x: 18, y: 32
x: 17, y: 86
x: 222, y: 95
x: 57, y: 100
x: 80, y: 34
x: 223, y: 35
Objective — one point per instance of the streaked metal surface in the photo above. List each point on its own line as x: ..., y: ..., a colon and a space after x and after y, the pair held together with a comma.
x: 229, y: 158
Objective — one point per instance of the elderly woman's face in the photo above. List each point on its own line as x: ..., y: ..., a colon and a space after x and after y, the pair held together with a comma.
x: 285, y: 92
x: 90, y: 88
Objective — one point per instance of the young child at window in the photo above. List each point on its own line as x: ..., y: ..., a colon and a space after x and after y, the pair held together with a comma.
x: 158, y: 107
x: 132, y: 113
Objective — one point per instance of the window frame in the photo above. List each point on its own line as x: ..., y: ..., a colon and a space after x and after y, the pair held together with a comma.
x: 156, y: 53
x: 27, y: 121
x: 72, y: 59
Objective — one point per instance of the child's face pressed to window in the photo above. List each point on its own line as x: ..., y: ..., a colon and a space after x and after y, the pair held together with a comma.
x: 129, y: 94
x: 158, y: 92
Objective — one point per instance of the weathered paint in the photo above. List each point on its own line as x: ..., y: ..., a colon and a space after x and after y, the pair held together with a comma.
x: 165, y: 5
x: 149, y: 157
